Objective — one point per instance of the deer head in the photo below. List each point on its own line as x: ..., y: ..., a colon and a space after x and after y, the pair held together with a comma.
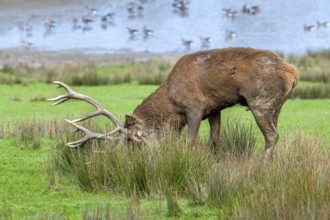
x: 137, y: 131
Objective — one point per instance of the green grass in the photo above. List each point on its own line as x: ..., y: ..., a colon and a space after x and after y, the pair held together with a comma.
x: 123, y: 98
x: 25, y: 190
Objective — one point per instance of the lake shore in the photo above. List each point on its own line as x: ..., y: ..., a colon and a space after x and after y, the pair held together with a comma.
x: 35, y: 58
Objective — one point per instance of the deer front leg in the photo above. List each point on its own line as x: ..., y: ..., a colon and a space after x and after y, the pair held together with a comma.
x: 194, y: 119
x: 214, y: 121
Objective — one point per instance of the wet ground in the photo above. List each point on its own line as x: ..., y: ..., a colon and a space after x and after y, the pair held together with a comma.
x: 46, y: 25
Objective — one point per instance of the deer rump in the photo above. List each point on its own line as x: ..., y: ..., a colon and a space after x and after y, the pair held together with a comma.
x: 199, y: 86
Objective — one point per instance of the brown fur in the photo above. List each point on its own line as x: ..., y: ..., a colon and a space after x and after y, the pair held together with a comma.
x: 202, y: 84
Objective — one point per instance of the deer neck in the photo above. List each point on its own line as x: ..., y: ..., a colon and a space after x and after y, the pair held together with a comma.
x: 157, y: 111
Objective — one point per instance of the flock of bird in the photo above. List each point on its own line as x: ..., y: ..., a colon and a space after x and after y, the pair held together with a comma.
x: 135, y: 10
x: 319, y: 24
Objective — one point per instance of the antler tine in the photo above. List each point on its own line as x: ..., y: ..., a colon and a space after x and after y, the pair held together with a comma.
x: 62, y: 98
x: 88, y: 135
x: 74, y: 95
x: 65, y: 86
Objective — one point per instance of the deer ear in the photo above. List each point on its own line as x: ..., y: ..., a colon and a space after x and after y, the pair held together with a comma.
x: 130, y: 120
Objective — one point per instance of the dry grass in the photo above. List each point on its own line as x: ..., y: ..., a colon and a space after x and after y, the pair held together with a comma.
x: 317, y: 91
x: 150, y: 72
x: 314, y: 66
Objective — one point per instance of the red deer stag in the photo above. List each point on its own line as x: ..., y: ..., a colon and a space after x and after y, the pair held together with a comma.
x: 199, y: 86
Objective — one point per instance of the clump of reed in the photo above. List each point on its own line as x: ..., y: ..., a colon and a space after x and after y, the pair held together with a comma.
x: 27, y: 134
x: 166, y: 167
x: 164, y: 163
x: 149, y: 72
x: 314, y: 66
x: 317, y: 91
x: 293, y: 185
x: 102, y: 211
x: 32, y: 133
x: 237, y: 138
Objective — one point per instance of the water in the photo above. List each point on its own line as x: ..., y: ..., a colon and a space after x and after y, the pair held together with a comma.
x: 279, y: 27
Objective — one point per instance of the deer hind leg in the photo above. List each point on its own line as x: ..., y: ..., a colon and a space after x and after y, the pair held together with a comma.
x: 214, y: 121
x: 266, y: 118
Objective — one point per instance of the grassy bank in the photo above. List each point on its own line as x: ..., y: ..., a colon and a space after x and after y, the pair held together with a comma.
x: 43, y: 179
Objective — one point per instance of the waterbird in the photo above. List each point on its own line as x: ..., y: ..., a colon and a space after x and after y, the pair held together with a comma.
x: 132, y: 33
x: 26, y: 44
x: 309, y: 28
x: 229, y: 12
x: 25, y: 26
x: 91, y: 11
x: 230, y: 34
x: 205, y: 42
x: 147, y: 32
x: 324, y: 24
x: 86, y: 20
x: 186, y: 43
x: 180, y: 5
x: 256, y: 9
x: 246, y: 9
x: 108, y: 17
x: 134, y: 9
x: 49, y: 23
x: 75, y: 23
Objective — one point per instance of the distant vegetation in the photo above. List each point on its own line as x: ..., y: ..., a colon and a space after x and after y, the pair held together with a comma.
x: 314, y: 73
x: 149, y: 72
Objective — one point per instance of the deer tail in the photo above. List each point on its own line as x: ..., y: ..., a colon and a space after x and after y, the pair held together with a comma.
x: 290, y: 75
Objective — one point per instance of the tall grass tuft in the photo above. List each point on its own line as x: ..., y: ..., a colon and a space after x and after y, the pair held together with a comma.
x: 167, y: 162
x: 314, y: 66
x: 144, y: 170
x: 237, y: 138
x: 319, y: 91
x: 28, y: 134
x: 294, y: 185
x: 133, y: 208
x: 149, y: 72
x: 173, y: 203
x: 101, y: 212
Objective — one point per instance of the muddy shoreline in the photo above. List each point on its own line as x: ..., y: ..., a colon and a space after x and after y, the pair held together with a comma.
x: 16, y: 5
x: 13, y: 57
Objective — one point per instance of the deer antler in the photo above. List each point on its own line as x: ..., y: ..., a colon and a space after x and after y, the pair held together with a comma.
x: 100, y: 110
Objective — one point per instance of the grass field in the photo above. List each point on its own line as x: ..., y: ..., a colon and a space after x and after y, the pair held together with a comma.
x: 24, y: 187
x: 42, y: 179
